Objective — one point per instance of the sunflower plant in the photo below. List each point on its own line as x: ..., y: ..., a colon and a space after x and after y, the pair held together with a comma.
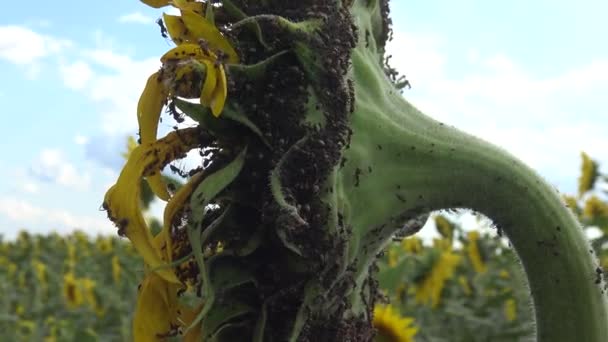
x: 312, y: 161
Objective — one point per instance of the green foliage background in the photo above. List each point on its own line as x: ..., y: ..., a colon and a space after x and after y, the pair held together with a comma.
x: 473, y: 305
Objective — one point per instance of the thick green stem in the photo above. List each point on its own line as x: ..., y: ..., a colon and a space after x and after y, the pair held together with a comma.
x: 419, y: 164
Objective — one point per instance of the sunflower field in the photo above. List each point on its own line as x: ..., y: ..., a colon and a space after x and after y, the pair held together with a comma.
x: 67, y: 288
x: 465, y: 284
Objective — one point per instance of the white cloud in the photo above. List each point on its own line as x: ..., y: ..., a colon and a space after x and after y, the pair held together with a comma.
x: 546, y: 121
x: 30, y: 187
x: 136, y: 18
x: 52, y: 167
x: 80, y: 139
x: 117, y: 88
x: 22, y: 46
x: 38, y: 219
x: 76, y: 75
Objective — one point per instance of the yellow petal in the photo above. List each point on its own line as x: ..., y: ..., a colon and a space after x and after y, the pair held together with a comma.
x: 187, y: 317
x: 210, y: 83
x: 198, y: 7
x: 156, y: 3
x: 184, y: 51
x: 149, y: 108
x: 220, y: 93
x: 155, y: 312
x: 202, y: 28
x: 123, y: 199
x: 177, y: 29
x: 183, y: 85
x: 171, y: 209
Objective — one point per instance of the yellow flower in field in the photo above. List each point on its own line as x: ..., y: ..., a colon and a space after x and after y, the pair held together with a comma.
x: 442, y: 244
x: 428, y: 291
x: 504, y: 274
x: 41, y: 274
x: 90, y: 297
x: 71, y: 261
x: 510, y: 310
x: 392, y: 327
x: 571, y: 202
x: 393, y: 256
x: 131, y: 145
x: 40, y: 270
x: 71, y: 291
x: 464, y: 283
x: 473, y: 252
x: 104, y: 244
x: 22, y: 279
x: 19, y: 310
x: 444, y: 227
x: 588, y: 174
x: 26, y: 326
x: 604, y: 262
x: 12, y: 270
x: 412, y: 245
x: 51, y: 325
x: 116, y: 269
x: 595, y: 207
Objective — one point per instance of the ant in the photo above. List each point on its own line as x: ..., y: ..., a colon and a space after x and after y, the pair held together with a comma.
x: 163, y: 29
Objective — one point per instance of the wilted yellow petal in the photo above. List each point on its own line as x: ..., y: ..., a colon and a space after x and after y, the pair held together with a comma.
x: 177, y: 29
x: 149, y: 108
x: 155, y: 311
x: 220, y: 93
x: 202, y: 28
x: 184, y: 51
x: 210, y: 84
x: 198, y: 7
x: 122, y: 201
x: 156, y: 3
x: 185, y: 75
x: 187, y: 317
x: 174, y: 205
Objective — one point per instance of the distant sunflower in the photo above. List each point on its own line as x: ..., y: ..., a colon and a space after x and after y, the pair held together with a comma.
x: 473, y: 252
x: 71, y: 291
x: 588, y: 174
x: 412, y: 245
x: 594, y: 208
x: 116, y: 269
x: 428, y: 291
x: 510, y: 310
x: 392, y: 327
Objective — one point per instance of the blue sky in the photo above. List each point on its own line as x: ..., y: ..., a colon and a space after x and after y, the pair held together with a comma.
x: 528, y: 75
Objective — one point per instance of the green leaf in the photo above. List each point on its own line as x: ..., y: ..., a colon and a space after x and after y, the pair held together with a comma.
x: 229, y: 310
x: 225, y: 273
x: 206, y: 191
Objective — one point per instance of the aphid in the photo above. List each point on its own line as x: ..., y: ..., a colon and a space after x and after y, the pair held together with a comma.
x: 204, y: 46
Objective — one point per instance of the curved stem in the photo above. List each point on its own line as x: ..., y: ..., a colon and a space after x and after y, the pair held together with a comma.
x: 419, y: 164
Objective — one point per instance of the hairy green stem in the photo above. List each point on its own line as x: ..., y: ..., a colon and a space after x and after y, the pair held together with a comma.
x: 406, y: 163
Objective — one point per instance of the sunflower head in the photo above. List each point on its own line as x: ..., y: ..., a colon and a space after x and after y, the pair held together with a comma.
x: 392, y: 327
x: 71, y: 291
x: 588, y: 176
